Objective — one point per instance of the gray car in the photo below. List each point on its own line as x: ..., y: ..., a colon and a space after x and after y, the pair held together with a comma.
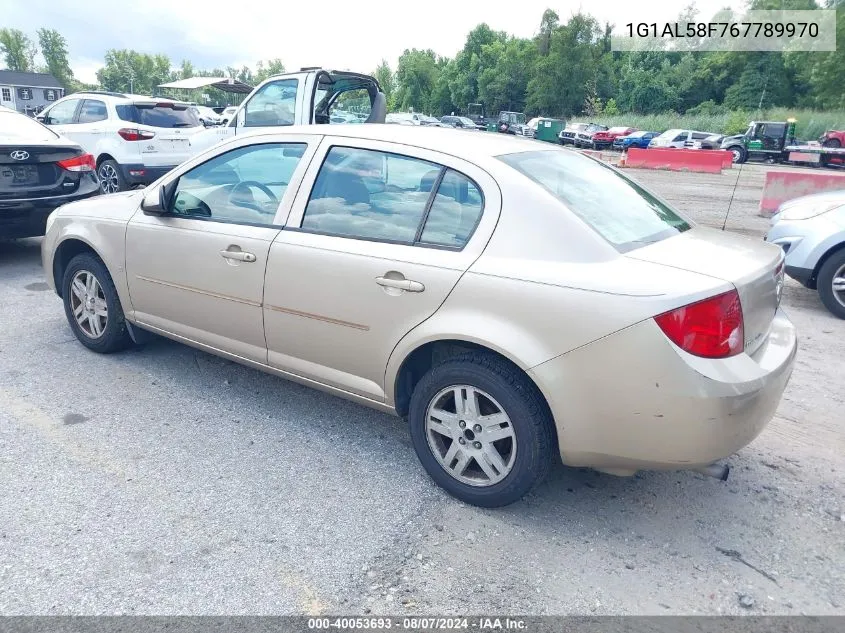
x: 811, y: 231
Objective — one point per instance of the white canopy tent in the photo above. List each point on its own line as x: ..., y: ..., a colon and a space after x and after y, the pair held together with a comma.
x: 227, y: 84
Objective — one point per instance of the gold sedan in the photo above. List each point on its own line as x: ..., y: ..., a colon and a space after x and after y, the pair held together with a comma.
x: 514, y: 300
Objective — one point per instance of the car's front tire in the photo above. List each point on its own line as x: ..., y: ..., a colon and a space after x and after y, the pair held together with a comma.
x: 481, y: 429
x: 111, y: 178
x: 831, y: 283
x: 92, y: 306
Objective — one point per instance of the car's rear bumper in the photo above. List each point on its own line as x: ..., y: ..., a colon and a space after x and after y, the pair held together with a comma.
x: 635, y: 401
x: 28, y: 217
x: 139, y: 174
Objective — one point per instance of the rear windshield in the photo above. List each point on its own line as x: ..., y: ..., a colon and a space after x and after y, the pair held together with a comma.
x: 618, y: 209
x: 158, y: 116
x: 18, y: 127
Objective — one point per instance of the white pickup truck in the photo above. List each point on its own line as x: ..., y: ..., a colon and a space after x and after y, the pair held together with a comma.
x: 310, y: 96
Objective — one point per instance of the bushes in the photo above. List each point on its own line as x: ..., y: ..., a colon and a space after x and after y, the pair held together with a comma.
x: 707, y: 118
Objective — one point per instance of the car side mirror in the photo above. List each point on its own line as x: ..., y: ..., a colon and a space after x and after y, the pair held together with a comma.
x: 156, y: 202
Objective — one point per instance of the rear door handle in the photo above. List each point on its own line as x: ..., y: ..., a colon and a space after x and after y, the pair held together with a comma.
x: 400, y: 284
x: 240, y: 256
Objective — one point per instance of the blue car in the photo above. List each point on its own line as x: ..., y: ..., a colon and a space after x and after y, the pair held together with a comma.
x: 637, y: 139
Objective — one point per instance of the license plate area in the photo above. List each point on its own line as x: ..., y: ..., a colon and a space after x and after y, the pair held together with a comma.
x: 18, y: 175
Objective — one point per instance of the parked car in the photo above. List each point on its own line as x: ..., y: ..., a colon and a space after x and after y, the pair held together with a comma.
x: 134, y: 139
x: 567, y: 135
x: 430, y: 121
x: 206, y: 115
x: 714, y: 141
x: 513, y: 123
x: 605, y: 138
x: 584, y: 138
x: 639, y: 139
x: 400, y: 118
x: 458, y: 121
x: 833, y: 138
x: 811, y: 231
x: 39, y: 171
x: 228, y: 113
x: 678, y: 138
x: 375, y: 262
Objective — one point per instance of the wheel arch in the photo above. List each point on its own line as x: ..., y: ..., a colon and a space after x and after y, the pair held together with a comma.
x: 65, y: 251
x: 104, y: 157
x: 426, y: 354
x: 825, y: 256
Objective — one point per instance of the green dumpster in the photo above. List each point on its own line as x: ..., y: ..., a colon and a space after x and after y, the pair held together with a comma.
x: 548, y: 129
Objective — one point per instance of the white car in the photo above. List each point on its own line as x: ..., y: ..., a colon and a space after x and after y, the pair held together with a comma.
x: 811, y: 231
x: 206, y: 115
x: 679, y: 139
x: 228, y: 114
x: 134, y: 139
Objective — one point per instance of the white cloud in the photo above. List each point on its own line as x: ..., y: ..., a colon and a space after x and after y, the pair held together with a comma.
x: 331, y: 33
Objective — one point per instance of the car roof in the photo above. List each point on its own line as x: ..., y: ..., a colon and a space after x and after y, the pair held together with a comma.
x: 440, y: 139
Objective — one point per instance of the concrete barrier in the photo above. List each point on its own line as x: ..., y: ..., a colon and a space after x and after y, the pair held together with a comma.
x: 706, y: 161
x: 786, y: 185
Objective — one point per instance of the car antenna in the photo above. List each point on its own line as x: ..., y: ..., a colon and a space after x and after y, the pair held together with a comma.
x: 739, y: 173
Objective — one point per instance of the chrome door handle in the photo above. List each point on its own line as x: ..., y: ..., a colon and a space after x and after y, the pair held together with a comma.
x: 240, y: 256
x: 400, y: 284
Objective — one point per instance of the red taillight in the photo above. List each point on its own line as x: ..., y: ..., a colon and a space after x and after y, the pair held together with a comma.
x: 134, y: 134
x: 78, y: 163
x: 711, y: 328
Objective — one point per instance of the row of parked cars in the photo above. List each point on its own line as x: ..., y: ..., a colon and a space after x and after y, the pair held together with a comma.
x: 596, y: 136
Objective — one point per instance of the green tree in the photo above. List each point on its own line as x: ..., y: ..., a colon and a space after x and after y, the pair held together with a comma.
x: 416, y: 76
x: 264, y: 70
x: 384, y: 76
x: 54, y: 50
x: 18, y: 50
x: 130, y: 71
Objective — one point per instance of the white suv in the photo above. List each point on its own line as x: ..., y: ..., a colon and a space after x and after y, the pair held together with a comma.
x: 134, y: 139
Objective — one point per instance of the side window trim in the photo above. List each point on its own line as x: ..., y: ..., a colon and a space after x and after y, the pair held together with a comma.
x: 435, y: 187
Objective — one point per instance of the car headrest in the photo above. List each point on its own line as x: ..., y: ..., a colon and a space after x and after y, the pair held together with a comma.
x: 379, y: 111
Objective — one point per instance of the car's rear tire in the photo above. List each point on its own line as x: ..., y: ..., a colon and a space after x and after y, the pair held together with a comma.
x: 832, y: 142
x: 92, y: 306
x: 831, y: 283
x: 111, y: 178
x: 482, y: 460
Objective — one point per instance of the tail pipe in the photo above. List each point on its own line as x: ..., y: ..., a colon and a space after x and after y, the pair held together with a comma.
x: 718, y: 471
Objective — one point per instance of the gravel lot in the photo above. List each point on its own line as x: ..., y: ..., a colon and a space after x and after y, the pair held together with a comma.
x: 167, y: 481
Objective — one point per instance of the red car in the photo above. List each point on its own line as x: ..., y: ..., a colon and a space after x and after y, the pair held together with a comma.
x: 832, y: 138
x: 606, y: 138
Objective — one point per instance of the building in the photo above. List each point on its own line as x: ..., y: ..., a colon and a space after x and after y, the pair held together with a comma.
x: 28, y: 92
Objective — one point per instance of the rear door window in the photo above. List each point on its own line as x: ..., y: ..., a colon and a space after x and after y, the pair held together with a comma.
x: 618, y: 209
x: 158, y: 115
x: 380, y: 196
x: 92, y: 110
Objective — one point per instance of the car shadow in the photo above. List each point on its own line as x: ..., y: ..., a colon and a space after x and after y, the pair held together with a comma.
x: 23, y: 251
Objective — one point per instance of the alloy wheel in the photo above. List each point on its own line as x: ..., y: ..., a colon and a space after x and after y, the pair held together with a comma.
x: 737, y: 155
x: 88, y: 304
x: 109, y: 182
x: 470, y: 435
x: 839, y: 285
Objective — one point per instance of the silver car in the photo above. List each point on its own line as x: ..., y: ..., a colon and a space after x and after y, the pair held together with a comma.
x: 811, y: 231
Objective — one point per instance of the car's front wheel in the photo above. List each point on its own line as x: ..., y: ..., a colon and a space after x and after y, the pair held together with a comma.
x: 481, y: 429
x: 92, y: 306
x: 831, y: 283
x: 738, y: 154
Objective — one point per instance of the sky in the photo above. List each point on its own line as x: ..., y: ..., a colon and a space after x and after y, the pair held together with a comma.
x: 340, y: 34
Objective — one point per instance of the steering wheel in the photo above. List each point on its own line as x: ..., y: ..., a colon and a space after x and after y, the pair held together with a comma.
x: 247, y: 185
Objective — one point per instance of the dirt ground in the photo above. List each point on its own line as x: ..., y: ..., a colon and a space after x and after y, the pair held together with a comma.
x: 168, y: 481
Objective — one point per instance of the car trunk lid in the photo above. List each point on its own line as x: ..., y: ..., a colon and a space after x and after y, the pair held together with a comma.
x: 171, y: 123
x: 31, y: 170
x: 755, y: 268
